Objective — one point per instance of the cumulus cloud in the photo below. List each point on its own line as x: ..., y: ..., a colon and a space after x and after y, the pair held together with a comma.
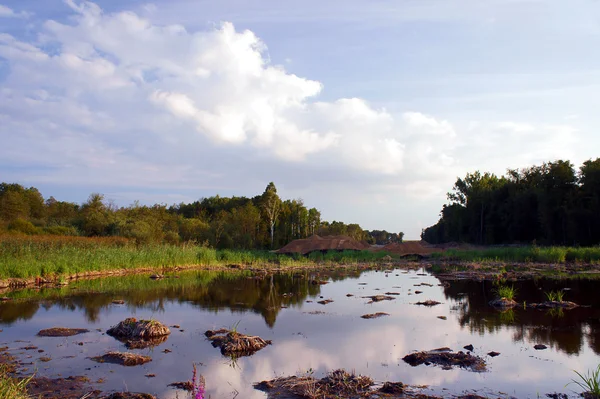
x: 117, y: 99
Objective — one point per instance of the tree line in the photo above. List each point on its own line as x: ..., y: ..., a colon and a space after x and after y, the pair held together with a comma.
x: 263, y: 221
x: 549, y: 204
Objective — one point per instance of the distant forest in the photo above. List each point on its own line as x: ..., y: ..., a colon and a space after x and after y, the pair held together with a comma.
x: 549, y: 204
x: 264, y: 221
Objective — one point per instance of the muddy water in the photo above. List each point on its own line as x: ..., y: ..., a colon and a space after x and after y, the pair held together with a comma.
x: 308, y: 336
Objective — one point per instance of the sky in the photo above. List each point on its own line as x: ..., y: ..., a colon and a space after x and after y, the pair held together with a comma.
x: 367, y: 110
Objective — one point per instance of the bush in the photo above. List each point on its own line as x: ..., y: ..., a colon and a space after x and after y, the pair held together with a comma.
x: 23, y: 226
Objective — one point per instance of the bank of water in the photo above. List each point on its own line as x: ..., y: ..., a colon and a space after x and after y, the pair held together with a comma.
x: 309, y: 337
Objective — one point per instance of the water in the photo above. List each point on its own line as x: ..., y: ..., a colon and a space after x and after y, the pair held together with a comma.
x: 276, y: 308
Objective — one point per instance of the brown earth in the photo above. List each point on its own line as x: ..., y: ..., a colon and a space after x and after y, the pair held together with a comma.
x: 326, y: 243
x: 61, y: 332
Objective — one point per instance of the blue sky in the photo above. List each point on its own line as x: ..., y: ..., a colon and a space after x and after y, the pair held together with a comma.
x: 368, y: 111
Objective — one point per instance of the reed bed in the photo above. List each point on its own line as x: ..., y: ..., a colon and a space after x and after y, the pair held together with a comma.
x: 23, y: 257
x: 523, y: 254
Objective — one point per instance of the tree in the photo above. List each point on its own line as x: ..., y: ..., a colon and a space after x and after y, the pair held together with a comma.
x: 271, y: 206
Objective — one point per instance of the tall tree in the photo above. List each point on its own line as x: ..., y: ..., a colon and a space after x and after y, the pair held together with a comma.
x: 271, y: 206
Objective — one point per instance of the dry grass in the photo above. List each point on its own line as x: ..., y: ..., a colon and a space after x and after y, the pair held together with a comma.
x: 232, y: 343
x: 122, y: 358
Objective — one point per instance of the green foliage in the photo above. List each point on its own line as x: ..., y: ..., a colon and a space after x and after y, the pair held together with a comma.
x: 589, y: 382
x: 555, y: 295
x: 12, y: 388
x: 552, y: 204
x: 523, y: 254
x: 23, y: 226
x: 505, y: 291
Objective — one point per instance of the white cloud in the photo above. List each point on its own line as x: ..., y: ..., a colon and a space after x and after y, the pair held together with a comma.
x: 117, y: 99
x: 6, y: 12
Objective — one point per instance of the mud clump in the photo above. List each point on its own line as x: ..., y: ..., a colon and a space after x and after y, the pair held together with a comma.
x: 185, y: 385
x: 140, y: 334
x: 553, y: 305
x: 392, y: 388
x: 446, y: 359
x: 374, y: 315
x: 503, y: 303
x: 129, y: 395
x: 337, y: 384
x: 132, y: 328
x: 428, y: 303
x: 379, y: 298
x: 61, y: 332
x: 122, y: 358
x: 325, y: 301
x: 233, y: 343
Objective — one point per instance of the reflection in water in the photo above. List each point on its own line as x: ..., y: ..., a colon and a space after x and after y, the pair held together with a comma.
x: 309, y: 335
x: 265, y: 295
x: 565, y: 330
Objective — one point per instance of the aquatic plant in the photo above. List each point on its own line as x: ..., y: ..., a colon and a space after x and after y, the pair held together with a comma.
x: 505, y: 291
x: 555, y: 295
x: 590, y: 382
x: 198, y: 384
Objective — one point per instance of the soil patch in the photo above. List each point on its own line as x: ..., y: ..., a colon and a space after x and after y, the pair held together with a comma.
x: 446, y: 359
x: 61, y: 332
x: 232, y: 343
x: 122, y: 358
x: 374, y: 315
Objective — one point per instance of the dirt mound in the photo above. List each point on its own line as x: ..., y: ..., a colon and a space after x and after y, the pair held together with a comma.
x: 232, y: 343
x: 337, y: 384
x: 132, y: 328
x: 447, y: 359
x: 408, y: 248
x: 61, y: 332
x: 122, y: 358
x: 326, y: 243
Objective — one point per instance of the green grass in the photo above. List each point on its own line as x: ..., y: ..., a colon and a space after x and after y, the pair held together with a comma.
x: 12, y: 388
x: 523, y: 254
x: 53, y: 256
x: 589, y: 382
x: 555, y: 295
x: 505, y: 291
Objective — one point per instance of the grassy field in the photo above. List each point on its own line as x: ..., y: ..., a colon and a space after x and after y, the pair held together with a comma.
x: 55, y: 256
x: 523, y: 254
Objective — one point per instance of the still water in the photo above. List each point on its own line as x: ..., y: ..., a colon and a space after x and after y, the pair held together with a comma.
x: 310, y: 336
